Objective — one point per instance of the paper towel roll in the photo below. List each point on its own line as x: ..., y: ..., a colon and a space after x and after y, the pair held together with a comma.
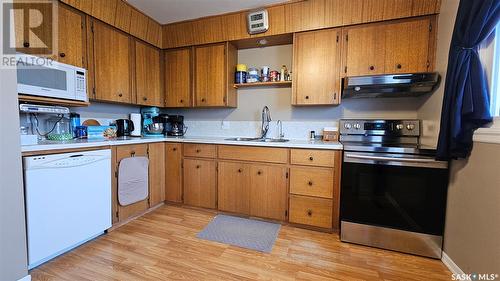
x: 136, y: 119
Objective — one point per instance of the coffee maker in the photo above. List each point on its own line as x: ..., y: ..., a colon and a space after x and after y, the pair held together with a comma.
x: 176, y: 126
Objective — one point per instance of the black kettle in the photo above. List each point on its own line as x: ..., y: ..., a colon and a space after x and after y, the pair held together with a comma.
x: 124, y: 127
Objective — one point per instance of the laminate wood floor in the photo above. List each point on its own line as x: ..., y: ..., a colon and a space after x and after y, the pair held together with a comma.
x: 162, y: 245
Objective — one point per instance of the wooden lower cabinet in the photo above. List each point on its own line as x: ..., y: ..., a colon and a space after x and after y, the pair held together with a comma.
x: 121, y: 213
x: 252, y: 189
x: 233, y: 187
x: 268, y: 191
x: 312, y: 181
x: 173, y: 172
x: 200, y: 182
x: 156, y: 152
x: 311, y: 211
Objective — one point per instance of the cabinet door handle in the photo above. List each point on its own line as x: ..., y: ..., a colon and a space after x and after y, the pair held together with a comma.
x: 310, y: 183
x: 174, y: 149
x: 198, y: 166
x: 132, y: 153
x: 398, y: 66
x: 198, y: 151
x: 145, y: 98
x: 309, y: 212
x: 307, y: 97
x: 372, y: 67
x: 120, y: 95
x: 259, y: 172
x: 62, y: 55
x: 26, y: 44
x: 181, y: 101
x: 203, y: 100
x: 239, y: 171
x: 311, y: 158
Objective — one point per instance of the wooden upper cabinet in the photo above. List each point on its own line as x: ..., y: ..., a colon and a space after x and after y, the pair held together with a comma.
x: 364, y: 50
x: 112, y: 64
x: 208, y: 30
x: 213, y: 73
x: 123, y: 16
x: 316, y: 65
x: 153, y: 35
x: 72, y: 37
x: 138, y: 24
x: 82, y: 5
x: 312, y: 14
x: 104, y: 10
x: 235, y: 26
x: 407, y: 46
x: 178, y: 80
x: 390, y: 47
x: 147, y: 75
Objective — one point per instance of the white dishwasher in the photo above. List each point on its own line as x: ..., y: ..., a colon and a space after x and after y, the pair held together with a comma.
x: 68, y: 201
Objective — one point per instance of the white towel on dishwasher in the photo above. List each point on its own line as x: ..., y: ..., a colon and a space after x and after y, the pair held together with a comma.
x: 133, y: 180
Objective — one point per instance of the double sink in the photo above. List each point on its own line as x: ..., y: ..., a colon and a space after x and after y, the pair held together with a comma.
x: 258, y: 139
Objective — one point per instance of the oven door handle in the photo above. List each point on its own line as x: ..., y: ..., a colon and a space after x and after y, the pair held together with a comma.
x: 426, y: 162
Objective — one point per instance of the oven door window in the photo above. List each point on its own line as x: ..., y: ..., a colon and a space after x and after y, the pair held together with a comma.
x: 400, y: 197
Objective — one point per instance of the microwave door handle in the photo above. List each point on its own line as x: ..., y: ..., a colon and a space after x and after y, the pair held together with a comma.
x: 403, y: 161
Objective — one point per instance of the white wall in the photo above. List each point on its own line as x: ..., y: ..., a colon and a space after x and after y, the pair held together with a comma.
x: 430, y: 111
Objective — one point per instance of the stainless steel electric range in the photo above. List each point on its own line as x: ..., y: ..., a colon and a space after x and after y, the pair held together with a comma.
x: 393, y: 191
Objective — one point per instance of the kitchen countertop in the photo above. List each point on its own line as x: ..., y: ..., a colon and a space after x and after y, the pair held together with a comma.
x: 75, y: 144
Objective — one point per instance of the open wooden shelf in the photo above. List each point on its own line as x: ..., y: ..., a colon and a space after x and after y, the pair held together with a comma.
x: 282, y: 84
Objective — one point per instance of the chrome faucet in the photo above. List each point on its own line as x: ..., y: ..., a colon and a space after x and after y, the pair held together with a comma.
x: 280, y: 129
x: 266, y: 118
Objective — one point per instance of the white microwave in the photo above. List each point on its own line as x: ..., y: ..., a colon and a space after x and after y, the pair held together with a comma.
x: 37, y: 76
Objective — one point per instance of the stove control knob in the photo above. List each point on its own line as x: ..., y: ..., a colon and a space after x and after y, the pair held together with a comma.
x: 399, y: 127
x: 410, y: 127
x: 347, y: 126
x: 357, y: 126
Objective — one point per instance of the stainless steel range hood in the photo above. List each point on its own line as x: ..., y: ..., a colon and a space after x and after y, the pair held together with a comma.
x: 386, y: 86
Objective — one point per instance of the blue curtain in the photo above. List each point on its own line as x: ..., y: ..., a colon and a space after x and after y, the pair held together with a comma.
x: 466, y: 104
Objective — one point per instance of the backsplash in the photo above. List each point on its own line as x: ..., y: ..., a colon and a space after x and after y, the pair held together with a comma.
x: 291, y: 129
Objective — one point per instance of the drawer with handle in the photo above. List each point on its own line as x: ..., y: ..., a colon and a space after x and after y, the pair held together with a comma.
x: 313, y: 157
x: 311, y: 211
x: 200, y: 150
x: 311, y: 181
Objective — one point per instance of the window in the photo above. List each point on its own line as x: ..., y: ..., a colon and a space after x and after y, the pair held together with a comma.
x: 489, y: 54
x: 495, y: 75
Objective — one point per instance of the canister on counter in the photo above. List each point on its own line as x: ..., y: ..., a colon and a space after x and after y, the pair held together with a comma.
x: 253, y: 75
x: 240, y: 77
